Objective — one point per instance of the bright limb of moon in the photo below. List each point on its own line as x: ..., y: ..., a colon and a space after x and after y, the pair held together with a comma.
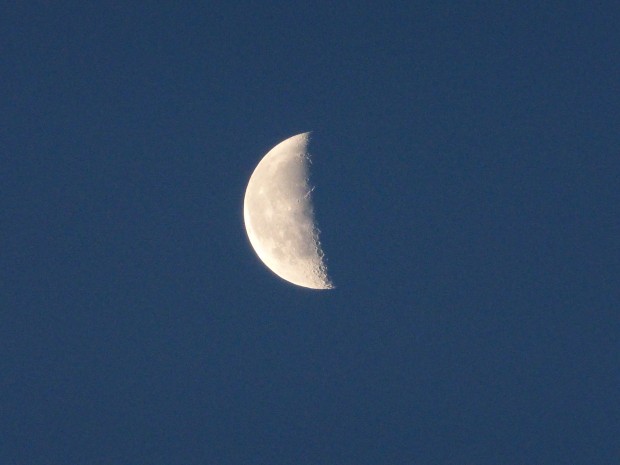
x: 279, y: 217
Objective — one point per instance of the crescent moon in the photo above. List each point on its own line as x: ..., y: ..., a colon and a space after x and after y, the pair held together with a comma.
x: 279, y: 217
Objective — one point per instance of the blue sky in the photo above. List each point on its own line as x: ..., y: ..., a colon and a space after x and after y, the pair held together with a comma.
x: 467, y: 173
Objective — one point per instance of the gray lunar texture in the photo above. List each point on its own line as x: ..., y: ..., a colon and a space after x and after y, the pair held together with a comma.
x: 279, y: 217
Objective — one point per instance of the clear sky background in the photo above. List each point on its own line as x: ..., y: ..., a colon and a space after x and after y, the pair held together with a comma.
x: 467, y: 164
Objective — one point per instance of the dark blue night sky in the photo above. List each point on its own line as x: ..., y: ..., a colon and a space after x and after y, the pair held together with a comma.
x: 467, y: 164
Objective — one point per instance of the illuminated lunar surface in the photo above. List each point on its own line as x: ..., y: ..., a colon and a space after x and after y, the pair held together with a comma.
x: 279, y: 217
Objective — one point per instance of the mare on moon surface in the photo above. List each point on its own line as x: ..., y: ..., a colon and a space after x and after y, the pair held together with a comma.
x: 279, y: 217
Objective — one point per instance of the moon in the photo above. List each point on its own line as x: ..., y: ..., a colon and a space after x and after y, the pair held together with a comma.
x: 279, y: 216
